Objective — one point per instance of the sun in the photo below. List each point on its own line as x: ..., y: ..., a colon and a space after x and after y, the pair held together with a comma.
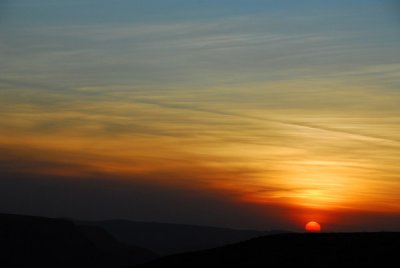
x: 313, y: 227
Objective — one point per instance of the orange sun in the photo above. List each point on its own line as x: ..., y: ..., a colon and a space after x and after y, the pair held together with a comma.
x: 313, y: 227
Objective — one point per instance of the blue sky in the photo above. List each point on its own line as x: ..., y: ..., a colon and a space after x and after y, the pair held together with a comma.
x: 262, y: 39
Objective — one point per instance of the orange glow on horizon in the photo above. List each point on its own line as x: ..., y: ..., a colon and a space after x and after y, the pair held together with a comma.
x: 290, y: 159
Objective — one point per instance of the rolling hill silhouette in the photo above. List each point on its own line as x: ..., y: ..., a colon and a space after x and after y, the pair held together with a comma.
x: 28, y: 241
x: 116, y: 253
x: 297, y: 250
x: 166, y: 239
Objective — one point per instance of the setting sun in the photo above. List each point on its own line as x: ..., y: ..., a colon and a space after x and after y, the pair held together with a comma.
x: 313, y: 227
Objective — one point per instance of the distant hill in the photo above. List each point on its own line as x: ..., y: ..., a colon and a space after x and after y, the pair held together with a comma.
x: 166, y: 239
x: 114, y: 252
x: 28, y: 241
x: 297, y: 250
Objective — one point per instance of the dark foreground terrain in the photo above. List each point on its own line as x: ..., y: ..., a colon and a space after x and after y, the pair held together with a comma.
x: 297, y: 250
x: 166, y: 239
x: 27, y: 241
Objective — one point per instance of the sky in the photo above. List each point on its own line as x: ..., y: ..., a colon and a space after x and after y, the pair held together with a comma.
x: 240, y: 113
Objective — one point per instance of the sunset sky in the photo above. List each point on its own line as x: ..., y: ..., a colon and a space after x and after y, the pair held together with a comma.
x: 241, y: 113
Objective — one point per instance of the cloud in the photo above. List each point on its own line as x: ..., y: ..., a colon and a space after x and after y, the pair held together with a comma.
x: 231, y: 49
x: 43, y: 182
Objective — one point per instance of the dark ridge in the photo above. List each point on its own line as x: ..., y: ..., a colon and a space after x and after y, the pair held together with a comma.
x: 116, y: 253
x: 29, y: 241
x: 297, y: 250
x: 166, y: 239
x: 26, y: 241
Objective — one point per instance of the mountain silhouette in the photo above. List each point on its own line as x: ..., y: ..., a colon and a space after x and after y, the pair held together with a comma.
x: 296, y: 250
x: 114, y: 252
x: 166, y: 239
x: 29, y: 241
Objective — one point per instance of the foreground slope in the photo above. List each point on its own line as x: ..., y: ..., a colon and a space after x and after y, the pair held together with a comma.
x: 113, y: 251
x: 166, y: 239
x: 28, y: 241
x: 297, y: 250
